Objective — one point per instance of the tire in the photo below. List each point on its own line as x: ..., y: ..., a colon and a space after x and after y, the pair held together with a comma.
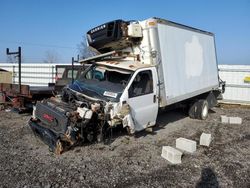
x: 100, y: 138
x: 199, y: 110
x: 129, y: 131
x: 192, y: 112
x: 202, y: 109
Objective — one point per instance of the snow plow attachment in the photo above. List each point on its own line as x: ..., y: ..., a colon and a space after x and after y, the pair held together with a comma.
x: 61, y: 127
x: 47, y: 136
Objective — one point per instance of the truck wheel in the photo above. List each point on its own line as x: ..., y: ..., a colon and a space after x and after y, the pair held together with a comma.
x: 192, y: 112
x: 202, y: 109
x: 100, y: 138
x: 128, y: 129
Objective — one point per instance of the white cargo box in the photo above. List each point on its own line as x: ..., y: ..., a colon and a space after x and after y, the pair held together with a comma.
x: 188, y: 61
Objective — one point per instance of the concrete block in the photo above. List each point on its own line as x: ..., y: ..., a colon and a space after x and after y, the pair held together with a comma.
x: 205, y: 139
x: 235, y: 120
x: 186, y: 144
x: 224, y: 119
x: 171, y: 154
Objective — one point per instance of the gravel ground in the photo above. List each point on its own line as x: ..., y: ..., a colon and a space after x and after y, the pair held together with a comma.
x: 130, y: 161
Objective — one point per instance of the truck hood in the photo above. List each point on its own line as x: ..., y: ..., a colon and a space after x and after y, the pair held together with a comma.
x: 101, y: 90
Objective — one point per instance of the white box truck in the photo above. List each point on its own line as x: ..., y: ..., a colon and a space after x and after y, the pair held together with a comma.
x: 140, y: 67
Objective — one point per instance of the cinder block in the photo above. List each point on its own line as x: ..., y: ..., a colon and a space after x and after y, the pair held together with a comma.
x: 186, y: 144
x: 205, y: 139
x: 224, y: 119
x: 171, y: 154
x: 235, y: 120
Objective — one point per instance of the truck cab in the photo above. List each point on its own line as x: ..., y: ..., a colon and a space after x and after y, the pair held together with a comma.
x: 127, y: 84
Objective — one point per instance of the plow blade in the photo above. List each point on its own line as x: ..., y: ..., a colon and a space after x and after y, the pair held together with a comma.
x: 47, y: 136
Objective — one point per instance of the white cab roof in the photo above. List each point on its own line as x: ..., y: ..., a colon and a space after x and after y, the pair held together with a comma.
x: 124, y: 64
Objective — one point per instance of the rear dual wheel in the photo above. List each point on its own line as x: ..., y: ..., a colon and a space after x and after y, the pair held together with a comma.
x: 199, y: 110
x: 203, y: 109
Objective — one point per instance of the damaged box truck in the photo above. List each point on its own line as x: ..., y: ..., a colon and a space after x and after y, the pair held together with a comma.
x: 140, y: 67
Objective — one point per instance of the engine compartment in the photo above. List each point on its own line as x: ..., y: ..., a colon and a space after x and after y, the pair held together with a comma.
x: 67, y: 120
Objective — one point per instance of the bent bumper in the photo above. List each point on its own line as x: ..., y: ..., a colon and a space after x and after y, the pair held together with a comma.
x: 46, y: 135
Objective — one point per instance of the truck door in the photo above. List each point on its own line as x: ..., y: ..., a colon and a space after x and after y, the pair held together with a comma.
x: 142, y: 98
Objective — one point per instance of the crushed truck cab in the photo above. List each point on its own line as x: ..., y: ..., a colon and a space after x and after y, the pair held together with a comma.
x: 140, y: 67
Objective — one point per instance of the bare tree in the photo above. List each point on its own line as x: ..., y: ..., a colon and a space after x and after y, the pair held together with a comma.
x: 51, y: 56
x: 84, y: 50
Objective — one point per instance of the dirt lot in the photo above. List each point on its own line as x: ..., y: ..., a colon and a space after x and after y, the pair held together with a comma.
x: 130, y: 161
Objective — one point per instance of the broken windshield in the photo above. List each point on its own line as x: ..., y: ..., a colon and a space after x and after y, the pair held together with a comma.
x: 103, y: 82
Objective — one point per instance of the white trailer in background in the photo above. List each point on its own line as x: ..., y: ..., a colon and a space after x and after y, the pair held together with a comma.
x: 237, y: 89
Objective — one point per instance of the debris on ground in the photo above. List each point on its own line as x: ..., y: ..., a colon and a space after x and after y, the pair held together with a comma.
x: 171, y: 154
x: 205, y: 139
x: 224, y: 119
x: 186, y: 144
x: 231, y: 120
x: 235, y: 120
x: 26, y: 162
x: 1, y: 107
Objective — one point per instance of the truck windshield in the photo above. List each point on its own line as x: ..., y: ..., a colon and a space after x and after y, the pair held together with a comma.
x: 103, y: 82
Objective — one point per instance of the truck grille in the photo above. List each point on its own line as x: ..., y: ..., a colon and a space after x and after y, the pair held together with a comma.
x: 51, y: 117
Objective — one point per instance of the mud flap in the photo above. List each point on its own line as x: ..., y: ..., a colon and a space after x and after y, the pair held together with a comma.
x: 47, y: 136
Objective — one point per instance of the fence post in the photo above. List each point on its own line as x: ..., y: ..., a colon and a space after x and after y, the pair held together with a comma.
x: 14, y: 74
x: 52, y: 73
x: 19, y: 55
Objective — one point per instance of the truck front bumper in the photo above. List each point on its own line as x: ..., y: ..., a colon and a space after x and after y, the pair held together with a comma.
x: 47, y: 136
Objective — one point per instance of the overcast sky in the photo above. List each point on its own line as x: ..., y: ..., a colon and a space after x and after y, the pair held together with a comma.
x: 39, y: 26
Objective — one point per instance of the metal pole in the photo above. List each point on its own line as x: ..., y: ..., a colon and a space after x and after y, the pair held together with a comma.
x: 72, y: 66
x: 19, y: 68
x: 19, y: 64
x: 52, y: 77
x: 72, y: 69
x: 14, y: 74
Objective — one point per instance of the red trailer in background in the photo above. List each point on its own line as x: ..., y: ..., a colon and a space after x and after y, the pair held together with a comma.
x: 23, y: 99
